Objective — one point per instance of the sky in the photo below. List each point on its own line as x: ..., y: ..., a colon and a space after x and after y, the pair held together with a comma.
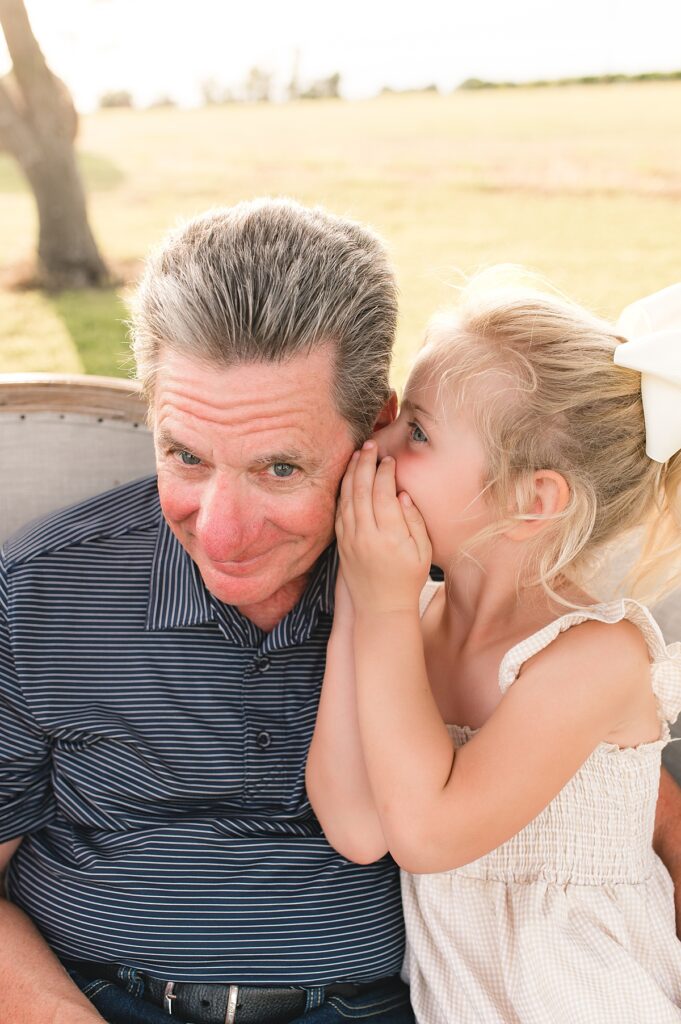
x: 153, y: 48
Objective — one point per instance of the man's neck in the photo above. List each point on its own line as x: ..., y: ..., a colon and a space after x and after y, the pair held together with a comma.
x: 267, y: 614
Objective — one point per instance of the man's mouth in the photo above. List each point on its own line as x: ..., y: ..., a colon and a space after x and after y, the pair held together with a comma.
x: 236, y: 566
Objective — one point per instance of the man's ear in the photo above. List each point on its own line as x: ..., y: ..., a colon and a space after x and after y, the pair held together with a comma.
x: 550, y: 497
x: 388, y: 413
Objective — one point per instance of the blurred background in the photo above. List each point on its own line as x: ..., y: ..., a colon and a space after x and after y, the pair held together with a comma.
x: 541, y: 134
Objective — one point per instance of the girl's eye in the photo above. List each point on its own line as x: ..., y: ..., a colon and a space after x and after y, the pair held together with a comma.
x: 283, y: 469
x: 416, y: 434
x: 188, y: 459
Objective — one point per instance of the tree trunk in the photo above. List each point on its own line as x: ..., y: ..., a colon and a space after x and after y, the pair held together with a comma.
x: 37, y: 125
x: 67, y: 252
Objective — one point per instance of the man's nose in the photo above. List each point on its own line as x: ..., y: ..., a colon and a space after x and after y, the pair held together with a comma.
x: 225, y: 525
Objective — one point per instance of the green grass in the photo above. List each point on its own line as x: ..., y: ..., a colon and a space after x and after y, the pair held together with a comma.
x: 579, y: 183
x: 33, y: 339
x: 95, y: 322
x: 99, y: 173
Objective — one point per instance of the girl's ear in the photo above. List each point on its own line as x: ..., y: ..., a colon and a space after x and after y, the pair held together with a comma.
x: 550, y: 494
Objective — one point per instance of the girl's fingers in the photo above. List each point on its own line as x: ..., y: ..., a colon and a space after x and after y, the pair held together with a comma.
x: 363, y: 486
x: 345, y: 512
x: 340, y: 529
x: 417, y: 527
x: 387, y: 509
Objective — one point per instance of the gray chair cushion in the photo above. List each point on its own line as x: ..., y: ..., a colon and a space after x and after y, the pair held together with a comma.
x: 66, y: 439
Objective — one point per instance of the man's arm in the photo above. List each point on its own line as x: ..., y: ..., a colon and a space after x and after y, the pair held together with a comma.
x: 35, y: 987
x: 667, y: 837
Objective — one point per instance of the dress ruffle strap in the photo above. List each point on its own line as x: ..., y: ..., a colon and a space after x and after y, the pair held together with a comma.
x: 665, y: 659
x: 430, y: 589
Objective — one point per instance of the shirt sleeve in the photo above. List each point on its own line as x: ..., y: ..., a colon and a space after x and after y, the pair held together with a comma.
x: 26, y: 797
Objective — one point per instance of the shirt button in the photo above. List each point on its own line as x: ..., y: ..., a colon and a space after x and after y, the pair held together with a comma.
x: 262, y: 664
x: 263, y: 739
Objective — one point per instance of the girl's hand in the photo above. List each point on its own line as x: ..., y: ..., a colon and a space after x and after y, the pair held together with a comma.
x: 384, y: 547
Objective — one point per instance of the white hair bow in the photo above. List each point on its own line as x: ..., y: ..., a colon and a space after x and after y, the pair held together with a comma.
x: 653, y: 329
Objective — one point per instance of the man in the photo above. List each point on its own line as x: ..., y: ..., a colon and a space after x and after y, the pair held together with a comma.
x: 161, y: 655
x: 162, y: 650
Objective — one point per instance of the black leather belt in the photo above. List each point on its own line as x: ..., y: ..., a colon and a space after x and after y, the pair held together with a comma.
x: 226, y: 1004
x: 223, y: 1004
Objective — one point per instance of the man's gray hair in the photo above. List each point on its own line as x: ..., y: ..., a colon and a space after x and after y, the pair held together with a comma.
x: 267, y: 280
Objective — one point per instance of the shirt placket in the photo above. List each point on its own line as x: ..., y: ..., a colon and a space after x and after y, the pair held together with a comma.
x: 262, y: 718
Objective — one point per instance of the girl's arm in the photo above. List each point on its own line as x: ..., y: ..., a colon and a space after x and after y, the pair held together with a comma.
x: 336, y: 777
x: 442, y: 808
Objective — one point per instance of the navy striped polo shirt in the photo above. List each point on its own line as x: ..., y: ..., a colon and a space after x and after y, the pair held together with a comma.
x: 152, y: 752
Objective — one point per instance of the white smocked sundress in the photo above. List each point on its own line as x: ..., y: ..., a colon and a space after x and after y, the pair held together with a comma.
x: 572, y: 920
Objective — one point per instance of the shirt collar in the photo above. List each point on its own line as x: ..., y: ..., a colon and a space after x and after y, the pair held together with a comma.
x: 316, y: 600
x: 178, y: 597
x: 298, y: 625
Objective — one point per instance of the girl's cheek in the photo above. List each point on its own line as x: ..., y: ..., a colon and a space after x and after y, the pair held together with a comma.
x: 405, y: 471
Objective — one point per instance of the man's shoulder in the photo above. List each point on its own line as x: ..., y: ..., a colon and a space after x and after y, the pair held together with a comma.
x: 128, y: 509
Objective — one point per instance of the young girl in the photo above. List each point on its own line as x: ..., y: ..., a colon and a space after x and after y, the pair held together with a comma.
x: 524, y: 825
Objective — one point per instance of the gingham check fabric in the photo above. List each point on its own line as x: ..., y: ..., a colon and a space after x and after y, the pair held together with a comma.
x: 572, y: 920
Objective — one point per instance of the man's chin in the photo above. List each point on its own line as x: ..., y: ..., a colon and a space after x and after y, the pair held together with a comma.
x: 238, y: 587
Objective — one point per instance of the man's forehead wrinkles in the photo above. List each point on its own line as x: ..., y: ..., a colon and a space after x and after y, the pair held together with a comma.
x: 241, y: 408
x: 275, y: 432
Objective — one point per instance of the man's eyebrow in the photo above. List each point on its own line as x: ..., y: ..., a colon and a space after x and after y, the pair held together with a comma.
x: 293, y: 456
x: 166, y: 440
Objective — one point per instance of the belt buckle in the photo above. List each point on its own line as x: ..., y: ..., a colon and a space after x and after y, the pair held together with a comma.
x: 168, y: 997
x: 232, y: 998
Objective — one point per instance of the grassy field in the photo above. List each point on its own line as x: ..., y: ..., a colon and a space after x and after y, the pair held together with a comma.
x: 581, y: 183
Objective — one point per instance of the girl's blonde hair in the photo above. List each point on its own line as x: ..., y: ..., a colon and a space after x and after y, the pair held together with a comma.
x: 546, y: 394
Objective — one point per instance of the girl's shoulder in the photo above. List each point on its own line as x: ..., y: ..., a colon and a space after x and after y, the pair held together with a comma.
x: 617, y: 642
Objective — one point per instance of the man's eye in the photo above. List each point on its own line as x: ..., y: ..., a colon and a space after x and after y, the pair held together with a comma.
x: 188, y: 459
x: 416, y: 434
x: 283, y: 469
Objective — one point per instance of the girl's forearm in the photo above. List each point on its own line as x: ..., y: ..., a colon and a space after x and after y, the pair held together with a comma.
x: 337, y: 781
x: 408, y: 751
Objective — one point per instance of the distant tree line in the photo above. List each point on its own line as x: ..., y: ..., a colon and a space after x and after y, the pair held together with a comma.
x: 258, y: 86
x: 646, y: 76
x: 116, y: 98
x: 390, y: 90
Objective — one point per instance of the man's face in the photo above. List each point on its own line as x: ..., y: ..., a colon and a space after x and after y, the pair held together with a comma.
x: 249, y: 463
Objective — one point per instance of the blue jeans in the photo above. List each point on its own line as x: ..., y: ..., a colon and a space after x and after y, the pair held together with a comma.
x: 124, y: 1003
x: 121, y: 1003
x: 386, y: 1004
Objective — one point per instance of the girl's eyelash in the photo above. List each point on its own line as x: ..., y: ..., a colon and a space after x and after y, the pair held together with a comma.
x: 413, y: 425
